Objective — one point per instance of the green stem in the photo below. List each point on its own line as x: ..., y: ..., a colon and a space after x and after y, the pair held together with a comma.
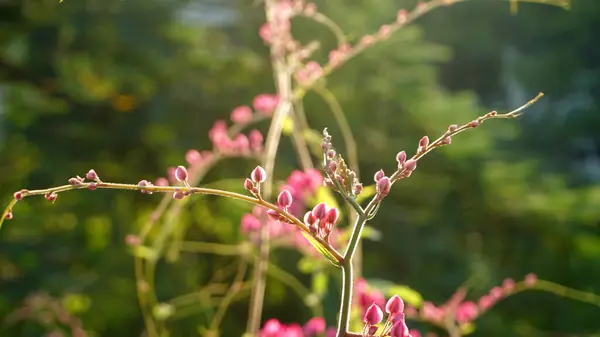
x: 347, y: 275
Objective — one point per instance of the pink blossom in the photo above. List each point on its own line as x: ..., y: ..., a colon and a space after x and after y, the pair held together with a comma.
x: 241, y: 114
x: 193, y: 157
x: 255, y: 138
x: 466, y: 312
x: 530, y: 279
x: 314, y: 326
x: 486, y: 302
x: 266, y: 104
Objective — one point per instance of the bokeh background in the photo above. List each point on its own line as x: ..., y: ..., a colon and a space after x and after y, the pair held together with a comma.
x: 128, y: 86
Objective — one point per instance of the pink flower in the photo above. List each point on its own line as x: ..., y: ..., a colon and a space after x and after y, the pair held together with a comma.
x: 508, y: 285
x: 314, y: 326
x: 373, y: 315
x: 193, y: 157
x: 530, y: 279
x: 266, y: 104
x: 466, y: 312
x: 486, y: 302
x: 394, y: 305
x: 250, y: 223
x: 255, y: 138
x: 241, y: 114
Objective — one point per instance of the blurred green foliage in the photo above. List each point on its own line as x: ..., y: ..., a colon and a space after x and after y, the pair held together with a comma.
x: 127, y: 86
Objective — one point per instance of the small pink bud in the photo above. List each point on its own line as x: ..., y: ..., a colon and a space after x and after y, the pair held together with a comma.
x: 401, y: 158
x: 309, y: 218
x: 474, y: 123
x: 394, y: 305
x: 383, y: 186
x: 331, y: 154
x: 76, y: 181
x: 320, y: 211
x: 332, y: 166
x: 399, y: 329
x: 486, y: 302
x: 265, y: 104
x: 193, y: 157
x: 9, y: 215
x: 143, y: 183
x: 378, y: 175
x: 92, y: 186
x: 133, y: 240
x: 385, y: 31
x: 332, y: 216
x: 366, y: 40
x: 255, y: 138
x: 410, y: 165
x: 497, y: 293
x: 265, y: 32
x: 492, y: 113
x: 178, y: 194
x: 452, y: 128
x: 373, y: 315
x: 358, y: 188
x: 402, y: 16
x: 413, y: 333
x: 530, y: 279
x: 466, y: 312
x: 162, y: 181
x: 446, y: 141
x: 258, y: 175
x: 284, y: 199
x: 372, y: 330
x: 181, y: 173
x: 91, y: 175
x: 248, y: 184
x: 315, y: 326
x: 18, y: 195
x: 423, y: 143
x: 508, y: 285
x: 51, y: 196
x: 241, y: 115
x: 310, y: 9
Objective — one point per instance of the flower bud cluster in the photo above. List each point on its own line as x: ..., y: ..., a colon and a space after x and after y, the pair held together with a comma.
x: 316, y: 326
x: 338, y: 176
x: 321, y: 219
x: 395, y: 324
x: 240, y: 145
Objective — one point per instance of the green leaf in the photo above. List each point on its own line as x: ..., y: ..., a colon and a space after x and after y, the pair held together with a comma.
x: 322, y: 249
x: 408, y: 295
x: 367, y: 192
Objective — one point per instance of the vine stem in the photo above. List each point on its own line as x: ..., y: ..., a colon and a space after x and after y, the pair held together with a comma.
x: 171, y: 189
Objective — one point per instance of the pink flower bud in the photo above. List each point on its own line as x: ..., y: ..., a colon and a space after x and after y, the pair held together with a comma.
x: 446, y: 141
x: 410, y: 165
x: 315, y: 326
x: 474, y: 123
x: 51, y: 196
x: 332, y: 216
x: 18, y: 195
x: 255, y: 138
x: 258, y: 175
x: 384, y: 31
x: 193, y: 157
x: 133, y: 240
x: 248, y: 184
x: 402, y: 16
x: 372, y: 330
x: 91, y: 175
x: 358, y: 188
x: 394, y: 305
x: 452, y: 128
x: 241, y: 115
x: 530, y: 279
x: 181, y: 173
x: 178, y: 194
x: 92, y: 186
x: 284, y: 199
x: 309, y: 218
x: 378, y: 175
x: 508, y: 285
x: 486, y: 302
x: 401, y: 158
x: 497, y: 293
x: 373, y: 315
x: 466, y: 312
x: 265, y: 32
x: 414, y: 333
x: 265, y: 104
x: 383, y: 186
x: 423, y: 143
x: 9, y: 215
x: 399, y: 329
x: 320, y: 211
x: 162, y: 181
